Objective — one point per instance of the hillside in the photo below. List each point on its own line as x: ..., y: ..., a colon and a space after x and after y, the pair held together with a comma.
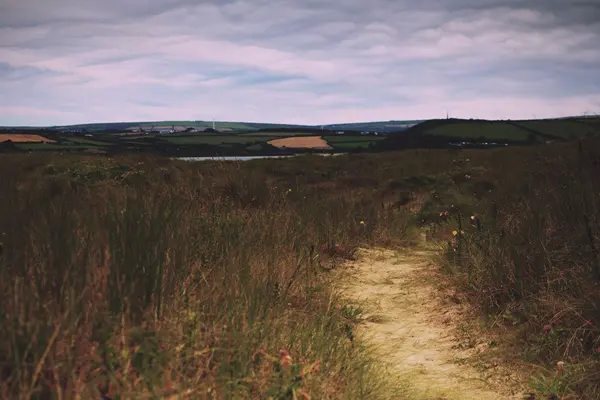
x: 444, y: 132
x: 377, y: 126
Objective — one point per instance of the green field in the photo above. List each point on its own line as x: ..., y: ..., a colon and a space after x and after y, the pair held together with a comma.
x: 209, y: 124
x: 474, y: 130
x: 51, y: 146
x: 213, y: 139
x: 341, y: 142
x: 277, y: 134
x: 90, y: 142
x: 560, y: 128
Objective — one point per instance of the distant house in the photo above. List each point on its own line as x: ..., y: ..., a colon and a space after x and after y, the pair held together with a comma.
x: 339, y: 132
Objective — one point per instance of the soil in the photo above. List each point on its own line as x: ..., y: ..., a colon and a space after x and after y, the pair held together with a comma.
x: 413, y: 328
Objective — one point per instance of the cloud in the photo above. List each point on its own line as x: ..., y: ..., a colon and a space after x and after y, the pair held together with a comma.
x: 288, y: 61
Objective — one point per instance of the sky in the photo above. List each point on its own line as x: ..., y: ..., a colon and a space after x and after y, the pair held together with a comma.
x: 292, y: 61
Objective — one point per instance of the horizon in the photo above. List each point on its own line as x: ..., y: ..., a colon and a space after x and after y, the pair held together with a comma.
x: 182, y: 122
x: 76, y: 62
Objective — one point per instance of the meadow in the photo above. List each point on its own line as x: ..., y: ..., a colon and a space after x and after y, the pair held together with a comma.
x: 148, y: 277
x: 143, y: 276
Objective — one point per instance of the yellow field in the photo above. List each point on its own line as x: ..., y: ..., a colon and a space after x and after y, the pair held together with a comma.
x: 23, y: 138
x: 306, y: 142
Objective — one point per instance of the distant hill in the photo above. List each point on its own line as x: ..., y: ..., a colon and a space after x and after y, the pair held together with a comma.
x: 378, y: 126
x: 445, y: 132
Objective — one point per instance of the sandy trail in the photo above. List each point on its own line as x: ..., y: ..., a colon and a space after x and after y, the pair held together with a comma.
x: 412, y: 328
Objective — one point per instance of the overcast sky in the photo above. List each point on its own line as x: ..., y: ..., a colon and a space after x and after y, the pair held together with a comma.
x: 296, y: 61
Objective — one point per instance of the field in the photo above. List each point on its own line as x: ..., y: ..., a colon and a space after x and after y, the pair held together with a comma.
x: 146, y: 276
x: 213, y: 139
x: 559, y: 128
x: 341, y: 142
x: 305, y: 142
x: 520, y: 131
x: 495, y: 131
x: 20, y: 138
x: 276, y: 134
x: 50, y: 146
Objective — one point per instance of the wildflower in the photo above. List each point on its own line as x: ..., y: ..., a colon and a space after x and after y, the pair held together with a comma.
x: 311, y: 368
x: 462, y: 233
x: 473, y: 218
x: 302, y: 393
x: 547, y: 328
x: 285, y: 358
x: 560, y: 365
x: 467, y: 176
x: 362, y: 222
x: 454, y: 233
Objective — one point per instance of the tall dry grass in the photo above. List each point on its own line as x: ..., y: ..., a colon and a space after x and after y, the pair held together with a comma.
x: 135, y: 278
x: 531, y: 257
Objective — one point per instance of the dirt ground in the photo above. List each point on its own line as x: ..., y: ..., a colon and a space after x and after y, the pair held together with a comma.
x: 414, y: 329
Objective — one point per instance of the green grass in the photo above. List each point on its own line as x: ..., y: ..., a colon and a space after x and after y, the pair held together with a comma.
x: 560, y: 128
x: 213, y: 139
x: 51, y: 146
x: 86, y: 141
x: 355, y: 139
x: 276, y: 134
x: 474, y: 130
x: 218, y: 124
x: 351, y: 142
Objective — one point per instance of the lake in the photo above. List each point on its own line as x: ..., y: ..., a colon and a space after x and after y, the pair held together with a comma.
x: 248, y: 158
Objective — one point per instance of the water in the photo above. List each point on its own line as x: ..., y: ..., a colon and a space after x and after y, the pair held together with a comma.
x: 247, y: 158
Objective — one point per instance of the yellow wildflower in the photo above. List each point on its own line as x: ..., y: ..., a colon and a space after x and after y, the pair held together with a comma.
x: 454, y: 233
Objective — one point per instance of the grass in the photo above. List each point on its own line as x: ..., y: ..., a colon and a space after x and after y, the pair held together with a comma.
x: 474, y: 130
x: 90, y: 142
x: 134, y: 277
x: 560, y: 128
x: 351, y: 142
x: 214, y: 139
x: 343, y: 139
x: 51, y: 146
x: 218, y: 124
x: 146, y: 277
x: 529, y: 260
x: 272, y: 135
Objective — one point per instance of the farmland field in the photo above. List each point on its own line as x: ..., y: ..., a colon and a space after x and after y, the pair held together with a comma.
x: 50, y: 146
x: 560, y: 128
x: 277, y: 134
x: 23, y: 138
x: 209, y: 124
x: 90, y: 142
x: 487, y: 130
x: 351, y: 142
x: 213, y: 139
x: 307, y: 142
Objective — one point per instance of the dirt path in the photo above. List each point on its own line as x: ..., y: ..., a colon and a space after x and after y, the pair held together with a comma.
x: 413, y: 328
